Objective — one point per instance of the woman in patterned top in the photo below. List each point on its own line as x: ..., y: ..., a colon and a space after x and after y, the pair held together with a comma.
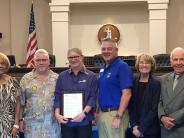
x: 9, y: 101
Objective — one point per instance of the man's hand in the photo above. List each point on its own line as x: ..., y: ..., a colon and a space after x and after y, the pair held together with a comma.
x: 116, y: 123
x: 167, y: 122
x: 96, y: 118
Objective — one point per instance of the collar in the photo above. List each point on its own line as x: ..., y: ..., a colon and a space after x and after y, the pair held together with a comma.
x: 35, y: 76
x: 83, y: 70
x: 178, y: 75
x: 112, y: 63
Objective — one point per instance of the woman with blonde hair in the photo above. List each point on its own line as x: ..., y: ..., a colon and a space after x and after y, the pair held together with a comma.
x: 145, y: 97
x: 9, y: 101
x: 76, y: 79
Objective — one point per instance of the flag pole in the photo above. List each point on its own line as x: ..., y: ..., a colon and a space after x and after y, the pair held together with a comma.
x: 32, y: 40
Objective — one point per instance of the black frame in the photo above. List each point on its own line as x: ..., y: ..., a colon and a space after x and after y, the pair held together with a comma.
x: 70, y: 92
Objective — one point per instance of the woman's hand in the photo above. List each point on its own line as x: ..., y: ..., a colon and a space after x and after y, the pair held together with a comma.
x: 136, y: 132
x: 61, y: 119
x: 21, y: 126
x: 79, y: 117
x: 15, y: 131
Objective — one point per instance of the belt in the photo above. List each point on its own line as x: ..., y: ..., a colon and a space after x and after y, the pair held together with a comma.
x: 109, y: 109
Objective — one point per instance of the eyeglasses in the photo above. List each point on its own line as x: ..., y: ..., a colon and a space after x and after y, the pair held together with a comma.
x: 109, y: 49
x: 73, y: 57
x: 144, y: 63
x: 43, y: 60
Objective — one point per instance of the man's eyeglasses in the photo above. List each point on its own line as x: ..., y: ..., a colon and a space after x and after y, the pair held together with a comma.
x: 43, y: 60
x: 73, y: 57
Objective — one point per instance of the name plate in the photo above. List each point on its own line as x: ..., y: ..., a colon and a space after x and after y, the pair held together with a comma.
x: 72, y: 103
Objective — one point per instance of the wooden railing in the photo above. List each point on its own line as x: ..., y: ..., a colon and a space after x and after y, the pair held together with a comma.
x: 19, y: 72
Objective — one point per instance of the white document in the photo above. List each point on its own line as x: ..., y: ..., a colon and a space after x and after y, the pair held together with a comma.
x: 72, y: 104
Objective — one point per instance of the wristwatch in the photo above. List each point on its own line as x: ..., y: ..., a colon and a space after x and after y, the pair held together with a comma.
x: 16, y: 126
x: 118, y: 116
x: 86, y: 113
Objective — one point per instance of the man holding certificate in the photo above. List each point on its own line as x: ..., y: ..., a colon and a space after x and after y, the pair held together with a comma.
x: 75, y: 96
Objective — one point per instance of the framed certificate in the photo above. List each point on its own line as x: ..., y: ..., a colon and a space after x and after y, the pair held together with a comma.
x: 72, y: 103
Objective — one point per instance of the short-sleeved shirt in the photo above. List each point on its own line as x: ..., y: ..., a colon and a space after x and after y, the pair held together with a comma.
x: 37, y: 97
x: 85, y: 81
x: 112, y: 80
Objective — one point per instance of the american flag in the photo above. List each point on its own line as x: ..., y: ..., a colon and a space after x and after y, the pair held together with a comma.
x: 32, y: 41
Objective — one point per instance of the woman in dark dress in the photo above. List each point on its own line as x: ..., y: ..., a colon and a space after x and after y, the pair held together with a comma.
x: 144, y: 102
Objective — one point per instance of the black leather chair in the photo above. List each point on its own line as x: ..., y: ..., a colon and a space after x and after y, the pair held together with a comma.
x: 130, y: 60
x: 98, y: 60
x: 89, y: 61
x: 52, y: 60
x: 162, y: 60
x: 12, y: 60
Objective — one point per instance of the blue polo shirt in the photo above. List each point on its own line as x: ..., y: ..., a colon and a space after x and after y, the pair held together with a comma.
x: 112, y: 80
x: 85, y: 81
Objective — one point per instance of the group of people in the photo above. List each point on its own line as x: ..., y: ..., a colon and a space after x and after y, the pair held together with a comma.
x: 147, y: 106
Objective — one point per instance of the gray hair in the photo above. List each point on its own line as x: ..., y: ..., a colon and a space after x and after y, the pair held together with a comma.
x: 148, y: 58
x: 43, y: 51
x: 111, y: 41
x: 174, y: 50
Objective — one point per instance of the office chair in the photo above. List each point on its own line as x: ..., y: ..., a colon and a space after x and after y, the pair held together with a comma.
x: 98, y: 60
x: 130, y: 60
x: 88, y: 61
x: 52, y: 60
x: 12, y: 60
x: 162, y: 60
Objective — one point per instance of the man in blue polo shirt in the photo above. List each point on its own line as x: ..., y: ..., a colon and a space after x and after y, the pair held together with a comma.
x: 115, y: 82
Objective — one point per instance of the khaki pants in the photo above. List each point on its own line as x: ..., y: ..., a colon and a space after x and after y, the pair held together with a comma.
x: 104, y: 125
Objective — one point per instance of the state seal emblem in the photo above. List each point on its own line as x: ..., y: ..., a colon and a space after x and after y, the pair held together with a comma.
x: 109, y: 31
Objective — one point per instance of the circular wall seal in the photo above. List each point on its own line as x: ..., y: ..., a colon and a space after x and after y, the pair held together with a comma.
x: 109, y: 31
